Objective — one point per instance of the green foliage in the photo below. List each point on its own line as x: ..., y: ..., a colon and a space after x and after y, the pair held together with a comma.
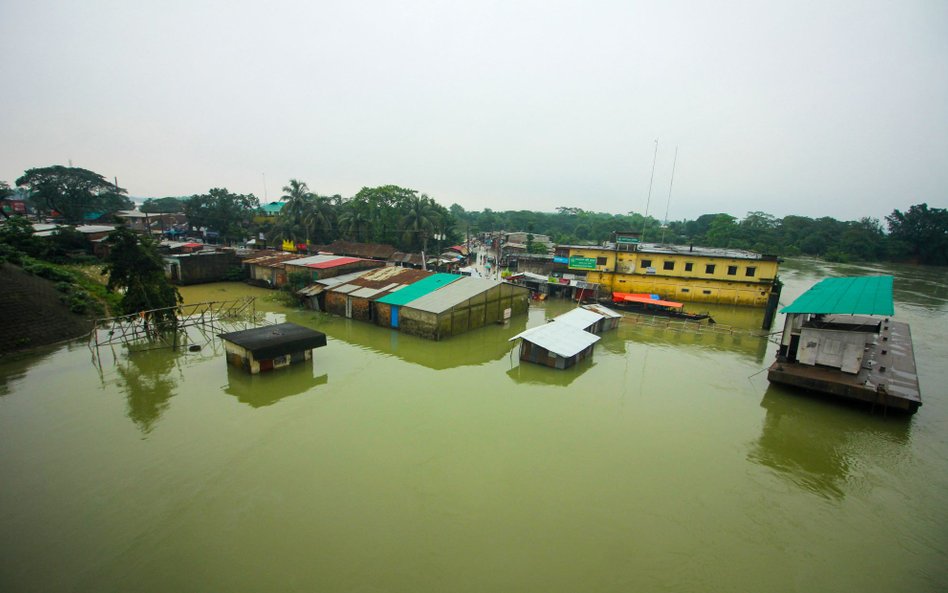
x: 135, y: 268
x: 163, y: 205
x: 218, y: 210
x: 921, y: 232
x: 73, y: 192
x: 47, y: 271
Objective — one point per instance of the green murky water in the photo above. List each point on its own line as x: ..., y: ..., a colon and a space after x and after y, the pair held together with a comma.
x: 667, y: 463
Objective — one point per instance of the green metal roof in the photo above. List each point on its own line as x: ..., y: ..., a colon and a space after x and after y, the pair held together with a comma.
x: 862, y: 295
x: 419, y: 289
x: 273, y: 208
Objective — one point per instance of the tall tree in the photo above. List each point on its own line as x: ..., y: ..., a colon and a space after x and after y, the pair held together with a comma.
x: 167, y: 205
x: 922, y: 231
x: 221, y: 211
x: 418, y: 221
x: 135, y: 267
x: 5, y: 191
x: 73, y: 192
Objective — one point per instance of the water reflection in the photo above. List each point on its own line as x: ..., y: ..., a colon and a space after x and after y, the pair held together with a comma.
x: 476, y: 347
x: 267, y: 389
x: 826, y: 449
x: 630, y: 330
x: 149, y: 380
x: 16, y: 366
x: 534, y: 374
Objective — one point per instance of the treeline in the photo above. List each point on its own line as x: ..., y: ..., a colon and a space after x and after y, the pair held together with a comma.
x: 919, y: 234
x: 413, y: 221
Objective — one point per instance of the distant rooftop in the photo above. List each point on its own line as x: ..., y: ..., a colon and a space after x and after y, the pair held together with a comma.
x: 695, y: 250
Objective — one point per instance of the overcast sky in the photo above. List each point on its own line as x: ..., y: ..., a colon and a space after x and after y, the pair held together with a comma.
x: 824, y: 108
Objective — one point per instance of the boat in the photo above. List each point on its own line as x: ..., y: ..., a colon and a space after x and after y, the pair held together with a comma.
x: 652, y: 304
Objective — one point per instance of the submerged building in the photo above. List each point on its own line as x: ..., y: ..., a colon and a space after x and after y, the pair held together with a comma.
x: 568, y: 338
x: 839, y: 339
x: 271, y: 347
x: 679, y: 273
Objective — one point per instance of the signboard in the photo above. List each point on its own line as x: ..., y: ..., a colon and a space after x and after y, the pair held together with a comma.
x: 650, y: 270
x: 627, y: 239
x: 560, y: 260
x: 583, y: 263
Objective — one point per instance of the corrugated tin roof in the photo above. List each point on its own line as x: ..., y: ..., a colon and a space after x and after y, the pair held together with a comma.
x: 419, y: 289
x: 313, y: 259
x: 559, y: 338
x: 346, y: 288
x: 457, y: 292
x: 339, y: 261
x: 366, y: 293
x: 862, y: 295
x: 602, y: 310
x: 579, y: 318
x: 341, y: 279
x: 272, y: 259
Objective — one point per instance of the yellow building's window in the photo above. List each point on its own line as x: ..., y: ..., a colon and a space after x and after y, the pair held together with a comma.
x: 669, y: 265
x: 751, y: 271
x: 732, y: 270
x: 709, y: 268
x: 689, y: 266
x: 646, y: 263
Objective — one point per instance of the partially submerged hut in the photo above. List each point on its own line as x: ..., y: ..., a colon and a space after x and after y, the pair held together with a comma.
x: 271, y: 346
x: 463, y: 305
x: 838, y: 339
x: 610, y: 318
x: 269, y: 269
x: 356, y: 297
x: 557, y: 345
x: 328, y: 266
x: 388, y: 307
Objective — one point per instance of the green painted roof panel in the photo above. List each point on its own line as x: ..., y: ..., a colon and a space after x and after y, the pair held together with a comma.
x: 861, y: 295
x: 418, y: 289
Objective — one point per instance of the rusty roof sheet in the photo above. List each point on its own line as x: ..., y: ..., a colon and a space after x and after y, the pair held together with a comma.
x: 367, y: 250
x: 275, y: 260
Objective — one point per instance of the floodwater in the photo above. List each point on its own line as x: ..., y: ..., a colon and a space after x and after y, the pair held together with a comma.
x: 390, y: 463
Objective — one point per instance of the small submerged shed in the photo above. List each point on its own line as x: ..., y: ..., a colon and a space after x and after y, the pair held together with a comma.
x: 557, y: 345
x: 610, y: 318
x: 839, y: 339
x: 271, y: 346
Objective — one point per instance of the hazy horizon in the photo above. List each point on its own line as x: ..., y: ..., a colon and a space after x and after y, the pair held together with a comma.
x: 815, y: 109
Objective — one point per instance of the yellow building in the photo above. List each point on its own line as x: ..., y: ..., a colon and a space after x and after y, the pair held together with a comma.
x: 678, y: 273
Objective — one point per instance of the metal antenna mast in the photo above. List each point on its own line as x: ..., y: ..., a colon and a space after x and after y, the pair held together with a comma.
x: 648, y: 200
x: 670, y: 184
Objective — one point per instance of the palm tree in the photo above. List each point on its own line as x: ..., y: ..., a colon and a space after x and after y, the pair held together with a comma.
x: 292, y: 220
x: 418, y: 221
x: 319, y: 217
x: 355, y: 220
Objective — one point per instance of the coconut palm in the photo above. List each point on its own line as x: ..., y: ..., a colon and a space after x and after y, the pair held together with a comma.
x: 291, y: 223
x: 418, y: 221
x: 319, y: 217
x: 355, y: 220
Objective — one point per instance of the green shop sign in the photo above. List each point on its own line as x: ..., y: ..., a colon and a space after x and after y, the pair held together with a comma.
x: 583, y: 263
x: 627, y: 240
